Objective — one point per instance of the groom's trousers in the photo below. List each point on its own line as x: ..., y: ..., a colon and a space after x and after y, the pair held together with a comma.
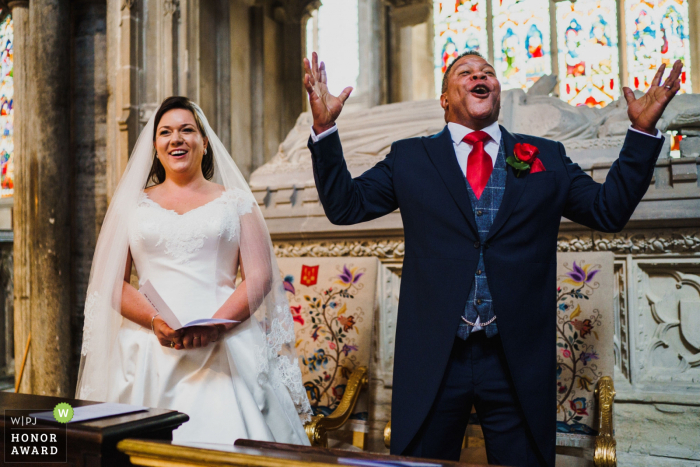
x: 477, y: 374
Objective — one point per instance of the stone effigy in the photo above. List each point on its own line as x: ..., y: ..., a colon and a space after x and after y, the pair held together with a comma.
x: 589, y: 135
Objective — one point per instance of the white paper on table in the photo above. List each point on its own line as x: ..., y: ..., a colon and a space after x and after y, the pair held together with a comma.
x: 95, y: 411
x: 164, y: 311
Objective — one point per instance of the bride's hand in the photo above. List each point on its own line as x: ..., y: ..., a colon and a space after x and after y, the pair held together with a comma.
x: 167, y: 336
x: 199, y: 336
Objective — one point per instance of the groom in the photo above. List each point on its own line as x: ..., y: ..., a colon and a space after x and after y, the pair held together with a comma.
x: 481, y: 209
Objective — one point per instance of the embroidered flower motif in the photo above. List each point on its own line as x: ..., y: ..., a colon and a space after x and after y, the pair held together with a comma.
x: 348, y: 348
x: 580, y: 275
x: 312, y: 391
x: 585, y: 383
x: 588, y: 356
x: 524, y: 158
x: 583, y: 327
x: 288, y: 284
x: 348, y: 277
x: 347, y: 322
x: 296, y: 314
x: 566, y: 353
x: 339, y: 390
x: 318, y: 359
x: 578, y: 405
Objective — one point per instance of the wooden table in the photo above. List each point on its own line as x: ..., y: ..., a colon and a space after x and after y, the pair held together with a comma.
x: 256, y: 454
x: 93, y: 443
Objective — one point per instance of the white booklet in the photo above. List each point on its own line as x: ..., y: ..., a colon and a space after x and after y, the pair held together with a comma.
x: 94, y: 411
x: 164, y: 311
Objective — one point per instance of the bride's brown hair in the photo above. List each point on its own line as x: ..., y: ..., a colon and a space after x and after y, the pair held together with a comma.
x: 157, y: 173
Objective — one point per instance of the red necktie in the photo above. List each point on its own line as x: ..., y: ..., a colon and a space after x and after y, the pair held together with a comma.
x: 479, y: 163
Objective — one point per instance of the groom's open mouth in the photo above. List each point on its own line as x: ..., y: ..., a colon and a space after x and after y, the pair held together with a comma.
x: 481, y: 91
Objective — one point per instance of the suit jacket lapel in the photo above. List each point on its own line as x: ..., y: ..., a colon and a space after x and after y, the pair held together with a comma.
x: 442, y: 153
x: 514, y: 187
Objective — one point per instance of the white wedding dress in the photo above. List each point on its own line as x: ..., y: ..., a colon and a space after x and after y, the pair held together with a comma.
x: 192, y: 260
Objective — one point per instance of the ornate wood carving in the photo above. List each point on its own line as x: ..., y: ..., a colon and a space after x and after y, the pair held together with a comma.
x: 605, y: 454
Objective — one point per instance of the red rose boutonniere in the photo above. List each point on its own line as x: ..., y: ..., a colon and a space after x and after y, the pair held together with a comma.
x: 525, y: 158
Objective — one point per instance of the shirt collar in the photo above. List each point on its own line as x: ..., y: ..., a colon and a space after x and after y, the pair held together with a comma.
x: 458, y: 132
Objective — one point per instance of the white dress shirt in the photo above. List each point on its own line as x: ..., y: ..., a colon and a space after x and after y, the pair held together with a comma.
x: 462, y: 148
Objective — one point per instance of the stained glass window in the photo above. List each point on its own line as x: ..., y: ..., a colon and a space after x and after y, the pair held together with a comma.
x: 6, y: 124
x: 459, y: 25
x: 588, y: 53
x: 521, y: 41
x: 656, y: 32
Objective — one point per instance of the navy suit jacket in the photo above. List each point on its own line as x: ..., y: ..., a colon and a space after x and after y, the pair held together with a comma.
x: 421, y: 176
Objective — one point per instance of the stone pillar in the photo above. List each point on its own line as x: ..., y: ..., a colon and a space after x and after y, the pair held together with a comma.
x: 123, y: 55
x: 293, y: 72
x: 22, y: 271
x: 88, y: 153
x: 49, y: 216
x: 241, y: 90
x: 411, y: 69
x: 372, y: 82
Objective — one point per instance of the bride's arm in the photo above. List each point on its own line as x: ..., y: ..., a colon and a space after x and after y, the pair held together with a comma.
x: 236, y: 305
x: 136, y: 308
x: 254, y: 253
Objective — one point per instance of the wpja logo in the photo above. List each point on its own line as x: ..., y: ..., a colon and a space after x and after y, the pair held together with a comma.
x: 31, y: 439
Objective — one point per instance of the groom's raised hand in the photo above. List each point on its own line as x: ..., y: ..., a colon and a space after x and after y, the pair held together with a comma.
x: 647, y: 110
x: 325, y: 107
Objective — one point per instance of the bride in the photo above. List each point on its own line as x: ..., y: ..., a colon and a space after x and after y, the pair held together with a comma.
x: 185, y: 217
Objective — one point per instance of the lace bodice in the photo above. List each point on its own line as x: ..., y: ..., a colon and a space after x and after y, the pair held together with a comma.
x: 192, y: 258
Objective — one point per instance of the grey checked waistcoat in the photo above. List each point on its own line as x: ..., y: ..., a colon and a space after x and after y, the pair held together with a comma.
x: 485, y: 209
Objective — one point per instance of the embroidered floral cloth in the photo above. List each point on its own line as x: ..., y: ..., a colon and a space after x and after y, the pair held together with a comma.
x: 584, y: 337
x: 332, y: 302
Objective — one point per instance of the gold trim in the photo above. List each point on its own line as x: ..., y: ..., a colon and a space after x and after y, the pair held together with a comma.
x: 358, y: 439
x: 159, y: 454
x: 387, y: 435
x: 319, y: 426
x: 605, y: 454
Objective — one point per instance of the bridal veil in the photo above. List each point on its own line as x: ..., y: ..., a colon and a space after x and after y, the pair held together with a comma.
x: 276, y: 360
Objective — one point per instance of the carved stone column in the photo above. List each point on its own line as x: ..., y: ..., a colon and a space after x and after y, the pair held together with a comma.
x: 21, y: 263
x: 125, y: 90
x: 49, y: 217
x: 411, y: 57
